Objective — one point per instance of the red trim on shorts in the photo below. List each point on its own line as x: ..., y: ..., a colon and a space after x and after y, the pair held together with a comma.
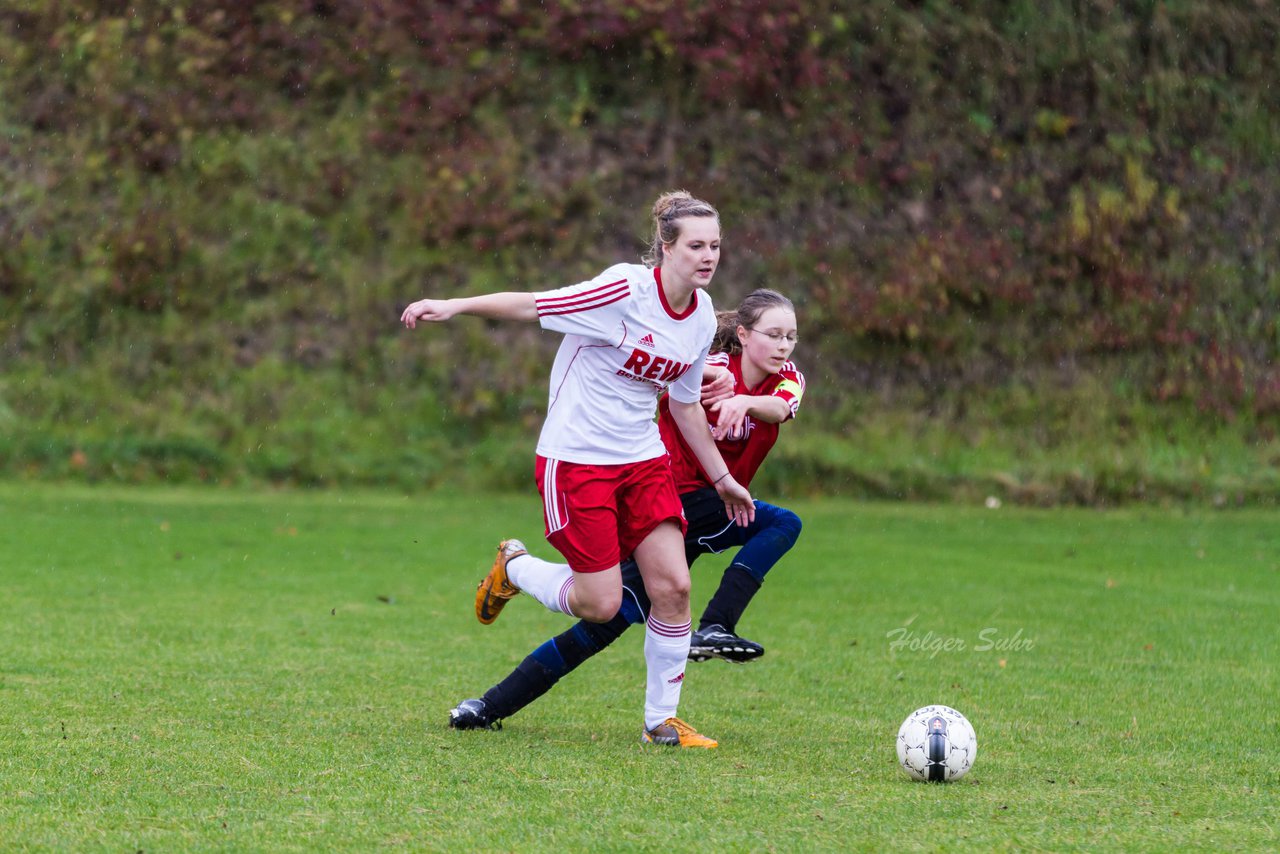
x: 596, y: 515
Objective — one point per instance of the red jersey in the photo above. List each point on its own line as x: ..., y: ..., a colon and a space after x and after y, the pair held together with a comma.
x: 742, y: 453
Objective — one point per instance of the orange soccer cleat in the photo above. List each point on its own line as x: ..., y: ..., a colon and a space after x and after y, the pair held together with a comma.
x: 495, y: 589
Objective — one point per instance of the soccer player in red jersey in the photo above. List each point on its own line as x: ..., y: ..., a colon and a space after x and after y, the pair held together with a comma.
x: 754, y: 344
x: 630, y: 334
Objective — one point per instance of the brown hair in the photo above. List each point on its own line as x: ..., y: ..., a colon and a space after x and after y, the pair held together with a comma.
x: 747, y: 314
x: 668, y: 210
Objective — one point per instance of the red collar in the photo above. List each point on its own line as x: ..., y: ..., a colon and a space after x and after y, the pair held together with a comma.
x: 662, y: 296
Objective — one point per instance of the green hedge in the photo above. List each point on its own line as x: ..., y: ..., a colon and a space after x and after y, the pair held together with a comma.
x: 211, y: 215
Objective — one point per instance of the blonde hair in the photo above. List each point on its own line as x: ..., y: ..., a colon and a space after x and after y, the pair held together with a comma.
x: 747, y: 314
x: 668, y: 210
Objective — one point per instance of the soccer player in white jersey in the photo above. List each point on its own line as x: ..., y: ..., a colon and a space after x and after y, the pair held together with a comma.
x: 754, y: 344
x: 608, y: 492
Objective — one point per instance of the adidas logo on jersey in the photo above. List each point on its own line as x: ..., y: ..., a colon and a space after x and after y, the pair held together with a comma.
x: 647, y: 341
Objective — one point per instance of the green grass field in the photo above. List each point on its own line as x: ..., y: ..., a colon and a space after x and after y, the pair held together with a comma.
x: 259, y: 671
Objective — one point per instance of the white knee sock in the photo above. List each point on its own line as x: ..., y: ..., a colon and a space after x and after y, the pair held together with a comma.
x: 666, y: 651
x: 547, y: 582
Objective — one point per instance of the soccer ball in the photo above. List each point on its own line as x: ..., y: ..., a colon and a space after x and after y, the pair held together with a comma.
x: 936, y: 744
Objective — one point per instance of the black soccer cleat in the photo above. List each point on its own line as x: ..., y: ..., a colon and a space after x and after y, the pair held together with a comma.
x: 473, y: 714
x: 715, y: 642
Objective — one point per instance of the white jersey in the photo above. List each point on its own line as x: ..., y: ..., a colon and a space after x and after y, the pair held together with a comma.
x: 623, y: 347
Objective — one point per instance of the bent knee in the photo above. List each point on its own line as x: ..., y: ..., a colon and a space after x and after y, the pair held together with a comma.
x: 600, y: 610
x: 789, y: 523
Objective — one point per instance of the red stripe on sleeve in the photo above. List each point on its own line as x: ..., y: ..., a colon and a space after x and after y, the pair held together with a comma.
x: 595, y: 290
x: 563, y: 305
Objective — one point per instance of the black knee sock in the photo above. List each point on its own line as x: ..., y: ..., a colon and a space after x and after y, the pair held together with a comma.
x: 737, y: 586
x: 529, y: 681
x: 542, y: 668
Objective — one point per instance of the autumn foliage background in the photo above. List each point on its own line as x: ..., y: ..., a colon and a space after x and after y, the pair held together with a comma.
x: 1034, y: 245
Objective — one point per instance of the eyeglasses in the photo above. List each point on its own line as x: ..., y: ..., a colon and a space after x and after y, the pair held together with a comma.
x: 776, y: 337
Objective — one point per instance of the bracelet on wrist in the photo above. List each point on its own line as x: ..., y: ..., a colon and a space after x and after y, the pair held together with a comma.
x: 720, y: 478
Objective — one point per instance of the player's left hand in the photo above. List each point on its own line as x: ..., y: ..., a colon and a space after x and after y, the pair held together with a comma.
x: 731, y: 418
x: 738, y: 504
x: 717, y: 385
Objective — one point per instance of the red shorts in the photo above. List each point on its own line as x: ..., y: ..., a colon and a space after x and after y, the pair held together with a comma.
x: 597, y: 515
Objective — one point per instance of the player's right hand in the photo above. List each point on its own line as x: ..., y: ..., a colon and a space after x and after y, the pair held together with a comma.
x: 432, y: 310
x: 717, y: 385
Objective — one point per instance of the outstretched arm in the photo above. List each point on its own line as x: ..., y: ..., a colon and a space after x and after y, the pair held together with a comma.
x: 692, y: 421
x: 502, y: 306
